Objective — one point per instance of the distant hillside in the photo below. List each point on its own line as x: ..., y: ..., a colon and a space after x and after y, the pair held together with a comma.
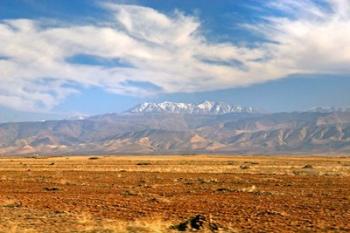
x: 165, y: 132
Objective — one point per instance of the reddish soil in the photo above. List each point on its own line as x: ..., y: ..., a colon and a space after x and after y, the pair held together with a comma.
x: 52, y: 199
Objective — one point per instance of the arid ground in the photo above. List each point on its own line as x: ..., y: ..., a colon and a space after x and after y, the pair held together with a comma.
x: 154, y: 194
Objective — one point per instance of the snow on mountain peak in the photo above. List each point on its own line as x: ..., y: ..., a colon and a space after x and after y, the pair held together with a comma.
x: 206, y: 107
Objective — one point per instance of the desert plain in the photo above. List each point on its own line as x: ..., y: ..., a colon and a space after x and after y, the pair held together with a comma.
x: 163, y: 193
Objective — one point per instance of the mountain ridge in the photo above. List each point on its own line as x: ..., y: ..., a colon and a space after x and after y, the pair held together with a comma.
x: 166, y: 133
x: 206, y: 107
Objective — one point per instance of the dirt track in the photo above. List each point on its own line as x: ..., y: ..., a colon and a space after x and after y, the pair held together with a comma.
x: 249, y: 194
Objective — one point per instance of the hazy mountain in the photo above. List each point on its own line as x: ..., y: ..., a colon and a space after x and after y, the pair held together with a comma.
x: 207, y: 107
x: 189, y: 131
x: 11, y: 115
x: 329, y: 109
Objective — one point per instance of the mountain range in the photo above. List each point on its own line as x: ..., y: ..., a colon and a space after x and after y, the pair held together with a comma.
x: 207, y: 107
x: 178, y: 128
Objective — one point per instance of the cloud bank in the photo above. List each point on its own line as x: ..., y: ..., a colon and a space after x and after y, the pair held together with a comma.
x: 142, y: 52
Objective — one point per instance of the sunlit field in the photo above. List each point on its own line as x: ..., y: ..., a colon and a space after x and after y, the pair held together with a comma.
x: 167, y: 193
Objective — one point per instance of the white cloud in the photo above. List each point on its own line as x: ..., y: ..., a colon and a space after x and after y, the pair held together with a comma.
x: 315, y: 42
x: 168, y: 51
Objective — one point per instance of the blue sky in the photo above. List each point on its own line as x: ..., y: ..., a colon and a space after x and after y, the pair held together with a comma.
x: 69, y: 57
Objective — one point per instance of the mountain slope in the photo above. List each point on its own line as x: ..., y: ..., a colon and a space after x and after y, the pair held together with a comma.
x: 308, y: 132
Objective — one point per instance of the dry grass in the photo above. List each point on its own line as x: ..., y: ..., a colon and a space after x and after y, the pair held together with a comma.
x: 154, y: 225
x: 189, y: 164
x: 85, y: 223
x: 10, y: 203
x: 122, y: 194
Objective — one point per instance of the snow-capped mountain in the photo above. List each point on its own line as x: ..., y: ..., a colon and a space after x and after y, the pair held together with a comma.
x: 207, y: 107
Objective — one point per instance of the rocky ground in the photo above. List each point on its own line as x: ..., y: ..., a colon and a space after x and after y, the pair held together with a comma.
x: 121, y: 194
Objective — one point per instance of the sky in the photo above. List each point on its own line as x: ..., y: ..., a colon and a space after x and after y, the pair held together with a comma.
x: 67, y: 58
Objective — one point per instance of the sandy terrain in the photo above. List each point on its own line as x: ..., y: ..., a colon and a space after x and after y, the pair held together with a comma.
x: 149, y: 194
